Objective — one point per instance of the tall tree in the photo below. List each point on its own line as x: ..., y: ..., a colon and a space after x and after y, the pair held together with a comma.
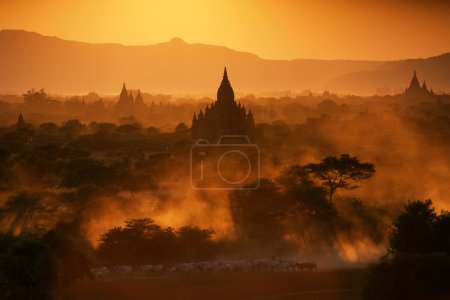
x: 340, y: 173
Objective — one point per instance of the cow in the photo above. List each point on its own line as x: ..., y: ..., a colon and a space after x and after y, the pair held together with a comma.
x: 122, y: 270
x: 307, y: 266
x: 100, y: 273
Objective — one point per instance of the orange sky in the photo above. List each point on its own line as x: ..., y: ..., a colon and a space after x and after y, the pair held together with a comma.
x: 281, y: 29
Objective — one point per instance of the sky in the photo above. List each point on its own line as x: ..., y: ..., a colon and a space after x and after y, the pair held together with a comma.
x: 277, y: 29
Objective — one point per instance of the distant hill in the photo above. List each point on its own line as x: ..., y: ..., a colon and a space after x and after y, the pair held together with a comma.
x: 434, y: 70
x: 32, y: 60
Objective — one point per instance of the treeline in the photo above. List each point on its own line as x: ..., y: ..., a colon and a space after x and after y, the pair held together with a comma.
x: 163, y: 112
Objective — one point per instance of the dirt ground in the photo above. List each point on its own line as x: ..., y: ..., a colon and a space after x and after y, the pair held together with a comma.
x: 321, y: 285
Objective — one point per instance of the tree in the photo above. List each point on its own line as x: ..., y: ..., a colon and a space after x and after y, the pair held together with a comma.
x: 294, y: 176
x: 33, y: 97
x: 257, y: 213
x: 418, y: 265
x: 442, y: 232
x: 72, y: 251
x: 413, y: 229
x: 129, y: 128
x: 418, y: 229
x: 141, y: 241
x: 181, y: 127
x: 153, y: 130
x: 19, y: 211
x: 48, y: 127
x: 409, y: 276
x: 90, y: 172
x: 28, y: 270
x: 340, y: 173
x: 314, y: 219
x: 72, y: 128
x: 309, y: 199
x: 195, y: 243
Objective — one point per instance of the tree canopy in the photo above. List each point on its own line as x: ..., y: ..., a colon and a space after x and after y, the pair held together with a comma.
x: 418, y: 229
x: 141, y: 241
x: 340, y: 173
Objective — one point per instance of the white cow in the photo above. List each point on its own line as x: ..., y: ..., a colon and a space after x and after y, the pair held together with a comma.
x: 100, y: 272
x: 122, y: 270
x: 152, y: 269
x: 225, y: 266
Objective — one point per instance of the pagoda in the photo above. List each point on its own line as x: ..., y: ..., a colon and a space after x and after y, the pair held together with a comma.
x: 223, y: 117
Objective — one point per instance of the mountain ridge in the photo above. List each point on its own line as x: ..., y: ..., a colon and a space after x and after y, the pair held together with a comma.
x: 62, y: 66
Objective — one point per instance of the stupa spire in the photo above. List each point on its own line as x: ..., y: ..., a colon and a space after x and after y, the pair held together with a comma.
x: 225, y: 92
x: 20, y: 122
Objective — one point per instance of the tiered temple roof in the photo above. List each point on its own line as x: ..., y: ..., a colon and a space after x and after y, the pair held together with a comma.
x: 222, y: 117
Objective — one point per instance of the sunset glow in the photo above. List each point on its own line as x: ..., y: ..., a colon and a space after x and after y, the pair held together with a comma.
x: 272, y: 29
x: 224, y: 149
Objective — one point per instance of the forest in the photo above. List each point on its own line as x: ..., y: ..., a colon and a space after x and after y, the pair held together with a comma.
x: 344, y: 181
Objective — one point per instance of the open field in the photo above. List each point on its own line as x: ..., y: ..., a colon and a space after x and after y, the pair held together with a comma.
x: 332, y: 284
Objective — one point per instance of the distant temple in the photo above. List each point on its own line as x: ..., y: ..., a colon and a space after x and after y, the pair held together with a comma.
x: 138, y: 100
x: 416, y: 91
x: 125, y: 104
x: 20, y: 124
x: 223, y: 117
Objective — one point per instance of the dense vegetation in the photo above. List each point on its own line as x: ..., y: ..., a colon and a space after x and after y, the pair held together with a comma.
x: 141, y: 241
x: 319, y: 193
x: 418, y: 265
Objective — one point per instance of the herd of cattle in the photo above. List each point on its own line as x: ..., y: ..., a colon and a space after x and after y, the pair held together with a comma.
x: 206, y: 267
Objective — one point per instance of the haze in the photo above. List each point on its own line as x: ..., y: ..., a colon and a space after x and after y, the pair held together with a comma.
x: 233, y: 150
x: 380, y: 30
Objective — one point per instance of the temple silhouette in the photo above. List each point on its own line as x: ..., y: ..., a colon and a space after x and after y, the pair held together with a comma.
x: 127, y: 104
x: 20, y: 124
x: 415, y: 91
x: 222, y: 117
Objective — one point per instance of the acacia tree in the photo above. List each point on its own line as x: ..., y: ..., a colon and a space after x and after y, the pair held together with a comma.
x: 340, y: 173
